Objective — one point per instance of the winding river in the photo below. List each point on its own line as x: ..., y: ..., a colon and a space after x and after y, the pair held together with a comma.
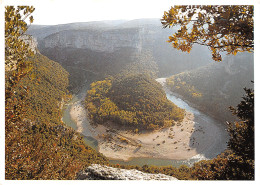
x: 217, y: 134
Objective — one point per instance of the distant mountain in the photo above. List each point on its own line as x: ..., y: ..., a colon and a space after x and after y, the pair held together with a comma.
x: 141, y: 23
x: 41, y: 31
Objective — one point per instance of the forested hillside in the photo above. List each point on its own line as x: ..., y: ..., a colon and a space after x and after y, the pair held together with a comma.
x: 38, y: 144
x: 132, y: 101
x: 215, y: 87
x: 87, y: 64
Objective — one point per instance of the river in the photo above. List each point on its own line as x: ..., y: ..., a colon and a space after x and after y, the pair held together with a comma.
x: 216, y: 133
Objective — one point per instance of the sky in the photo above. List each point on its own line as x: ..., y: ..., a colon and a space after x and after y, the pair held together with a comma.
x: 51, y: 12
x: 96, y: 10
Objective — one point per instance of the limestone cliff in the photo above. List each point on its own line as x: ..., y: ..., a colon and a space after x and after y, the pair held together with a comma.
x: 97, y: 40
x: 31, y: 41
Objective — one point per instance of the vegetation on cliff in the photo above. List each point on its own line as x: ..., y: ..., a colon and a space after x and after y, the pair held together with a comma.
x: 217, y: 86
x: 237, y: 163
x: 38, y: 144
x: 133, y: 100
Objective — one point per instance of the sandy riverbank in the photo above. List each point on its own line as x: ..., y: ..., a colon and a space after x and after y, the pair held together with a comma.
x: 193, y: 136
x: 79, y: 115
x: 169, y: 143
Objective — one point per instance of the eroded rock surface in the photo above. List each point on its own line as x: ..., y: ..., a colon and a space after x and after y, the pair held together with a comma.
x: 99, y: 172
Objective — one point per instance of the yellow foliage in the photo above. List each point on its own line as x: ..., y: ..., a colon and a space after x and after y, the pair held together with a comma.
x: 133, y: 101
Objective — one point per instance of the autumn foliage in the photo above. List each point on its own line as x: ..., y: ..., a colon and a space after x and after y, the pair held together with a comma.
x: 220, y: 28
x: 38, y: 144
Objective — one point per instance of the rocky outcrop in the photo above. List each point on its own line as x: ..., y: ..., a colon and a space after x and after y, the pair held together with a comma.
x: 31, y: 41
x: 99, y: 172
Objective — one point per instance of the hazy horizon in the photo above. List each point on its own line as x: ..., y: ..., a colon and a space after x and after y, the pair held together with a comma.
x: 77, y: 22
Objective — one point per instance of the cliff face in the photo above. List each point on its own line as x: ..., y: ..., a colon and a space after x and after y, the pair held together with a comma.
x: 96, y: 40
x: 101, y: 36
x: 98, y: 172
x: 84, y: 47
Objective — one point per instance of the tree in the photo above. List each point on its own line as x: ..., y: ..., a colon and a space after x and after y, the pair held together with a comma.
x: 236, y: 163
x: 220, y: 28
x: 242, y: 133
x: 16, y: 51
x: 226, y: 166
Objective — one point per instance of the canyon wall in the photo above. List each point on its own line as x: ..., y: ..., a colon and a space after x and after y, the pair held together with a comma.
x: 96, y: 40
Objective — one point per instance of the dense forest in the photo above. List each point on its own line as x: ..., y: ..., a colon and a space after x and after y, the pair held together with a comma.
x: 135, y: 101
x: 85, y: 64
x: 38, y: 144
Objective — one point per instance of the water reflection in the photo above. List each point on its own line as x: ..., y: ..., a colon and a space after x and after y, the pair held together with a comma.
x: 182, y: 104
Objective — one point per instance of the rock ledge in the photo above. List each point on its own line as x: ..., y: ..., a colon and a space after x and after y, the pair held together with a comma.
x: 99, y: 172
